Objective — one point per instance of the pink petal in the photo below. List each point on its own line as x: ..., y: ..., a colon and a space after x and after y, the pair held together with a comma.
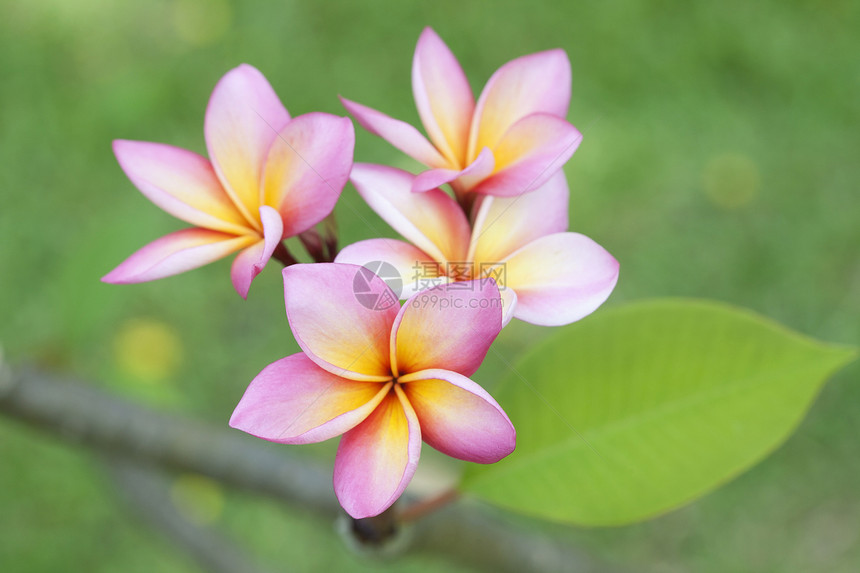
x: 509, y: 304
x: 307, y: 168
x: 341, y: 316
x: 449, y: 326
x: 294, y: 401
x: 180, y: 182
x: 537, y: 83
x: 432, y: 221
x: 531, y: 152
x: 504, y: 224
x: 560, y: 278
x: 427, y: 180
x: 377, y: 459
x: 248, y: 264
x: 458, y: 417
x: 416, y: 269
x: 478, y: 170
x: 398, y: 133
x: 176, y: 253
x: 243, y: 118
x: 443, y: 96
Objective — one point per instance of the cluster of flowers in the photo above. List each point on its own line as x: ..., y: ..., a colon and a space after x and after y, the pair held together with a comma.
x: 386, y: 377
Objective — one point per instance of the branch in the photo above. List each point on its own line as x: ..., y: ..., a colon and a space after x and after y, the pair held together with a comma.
x: 87, y: 416
x: 146, y: 490
x: 474, y: 536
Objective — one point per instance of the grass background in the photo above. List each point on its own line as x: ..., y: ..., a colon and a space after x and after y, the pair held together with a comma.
x: 719, y: 161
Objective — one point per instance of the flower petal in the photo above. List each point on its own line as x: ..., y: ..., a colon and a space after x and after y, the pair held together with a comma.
x: 307, y: 168
x: 458, y: 417
x: 417, y: 270
x: 248, y: 264
x: 427, y: 180
x: 341, y: 316
x: 479, y: 169
x: 181, y: 182
x: 176, y: 253
x: 537, y: 83
x: 294, y: 401
x: 432, y: 221
x: 532, y: 151
x: 504, y: 224
x: 398, y: 133
x: 509, y: 304
x: 443, y: 96
x: 560, y: 278
x: 449, y: 326
x: 243, y: 118
x: 377, y: 459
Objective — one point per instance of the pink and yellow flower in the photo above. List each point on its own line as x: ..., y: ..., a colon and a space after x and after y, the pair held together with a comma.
x: 512, y: 141
x: 385, y: 377
x: 547, y: 276
x: 269, y: 177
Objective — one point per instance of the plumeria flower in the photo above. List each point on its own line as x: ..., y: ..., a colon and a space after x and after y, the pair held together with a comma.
x: 269, y: 177
x: 547, y: 276
x: 385, y: 377
x: 512, y: 141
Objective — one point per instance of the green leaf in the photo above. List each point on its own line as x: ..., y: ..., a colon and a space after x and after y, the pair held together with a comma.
x: 639, y: 409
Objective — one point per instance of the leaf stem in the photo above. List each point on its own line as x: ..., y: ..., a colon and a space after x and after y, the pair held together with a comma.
x: 427, y: 506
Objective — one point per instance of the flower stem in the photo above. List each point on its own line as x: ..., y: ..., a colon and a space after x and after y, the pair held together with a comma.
x: 329, y: 228
x: 313, y: 244
x: 283, y: 255
x: 464, y: 198
x: 320, y: 242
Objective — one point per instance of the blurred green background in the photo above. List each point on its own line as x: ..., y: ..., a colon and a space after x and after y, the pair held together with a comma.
x: 719, y: 161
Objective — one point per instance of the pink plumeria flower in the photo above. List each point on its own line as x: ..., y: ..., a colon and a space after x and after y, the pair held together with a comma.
x: 547, y: 276
x: 512, y: 141
x: 384, y: 376
x: 269, y: 177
